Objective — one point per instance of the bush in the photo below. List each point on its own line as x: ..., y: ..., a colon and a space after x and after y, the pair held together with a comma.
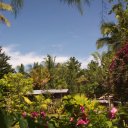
x: 76, y: 112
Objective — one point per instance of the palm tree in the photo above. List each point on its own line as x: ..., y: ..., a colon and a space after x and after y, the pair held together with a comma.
x: 98, y: 75
x: 40, y: 76
x: 115, y: 35
x: 77, y: 3
x: 11, y: 6
x: 5, y: 67
x: 5, y: 7
x: 16, y: 5
x: 73, y: 70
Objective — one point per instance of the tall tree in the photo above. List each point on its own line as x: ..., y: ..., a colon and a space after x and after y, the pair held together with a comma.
x: 50, y: 65
x: 21, y: 69
x: 60, y: 74
x: 97, y: 75
x: 115, y: 35
x: 73, y: 68
x: 40, y: 76
x: 119, y: 75
x: 5, y: 67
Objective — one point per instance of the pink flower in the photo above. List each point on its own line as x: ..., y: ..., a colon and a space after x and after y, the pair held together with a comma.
x: 34, y: 114
x: 43, y: 114
x: 82, y: 121
x: 24, y: 114
x: 82, y: 108
x: 113, y: 112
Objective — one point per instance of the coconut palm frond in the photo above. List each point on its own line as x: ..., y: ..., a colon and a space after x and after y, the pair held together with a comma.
x: 77, y: 3
x: 103, y: 41
x: 116, y: 46
x: 4, y: 20
x: 72, y: 1
x: 12, y: 5
x: 17, y: 5
x: 6, y: 7
x: 107, y: 28
x: 97, y: 56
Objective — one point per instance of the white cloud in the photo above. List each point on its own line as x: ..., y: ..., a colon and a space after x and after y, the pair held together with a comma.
x: 29, y: 58
x: 61, y: 59
x: 17, y: 57
x: 84, y: 62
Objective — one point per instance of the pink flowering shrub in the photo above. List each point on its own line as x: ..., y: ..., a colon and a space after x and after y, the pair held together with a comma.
x: 35, y: 119
x: 75, y: 115
x: 81, y: 116
x: 121, y: 59
x: 119, y: 74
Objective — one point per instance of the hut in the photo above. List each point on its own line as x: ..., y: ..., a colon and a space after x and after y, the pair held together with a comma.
x: 54, y: 93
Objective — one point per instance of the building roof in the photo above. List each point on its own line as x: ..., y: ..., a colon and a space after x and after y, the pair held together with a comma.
x: 51, y: 91
x: 103, y: 101
x: 106, y: 97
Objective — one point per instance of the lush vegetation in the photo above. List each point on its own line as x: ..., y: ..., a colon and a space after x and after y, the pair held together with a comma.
x: 107, y: 74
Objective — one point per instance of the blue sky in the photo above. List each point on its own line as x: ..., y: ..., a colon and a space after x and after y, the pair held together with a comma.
x: 51, y: 27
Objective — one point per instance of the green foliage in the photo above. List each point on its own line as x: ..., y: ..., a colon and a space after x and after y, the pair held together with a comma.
x: 78, y: 108
x: 8, y: 119
x: 115, y: 35
x: 75, y: 109
x: 123, y: 116
x: 21, y: 69
x: 48, y: 75
x: 3, y: 122
x: 41, y: 103
x: 98, y: 75
x: 40, y: 76
x: 5, y: 67
x: 14, y: 86
x: 77, y: 112
x: 73, y: 70
x: 56, y: 80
